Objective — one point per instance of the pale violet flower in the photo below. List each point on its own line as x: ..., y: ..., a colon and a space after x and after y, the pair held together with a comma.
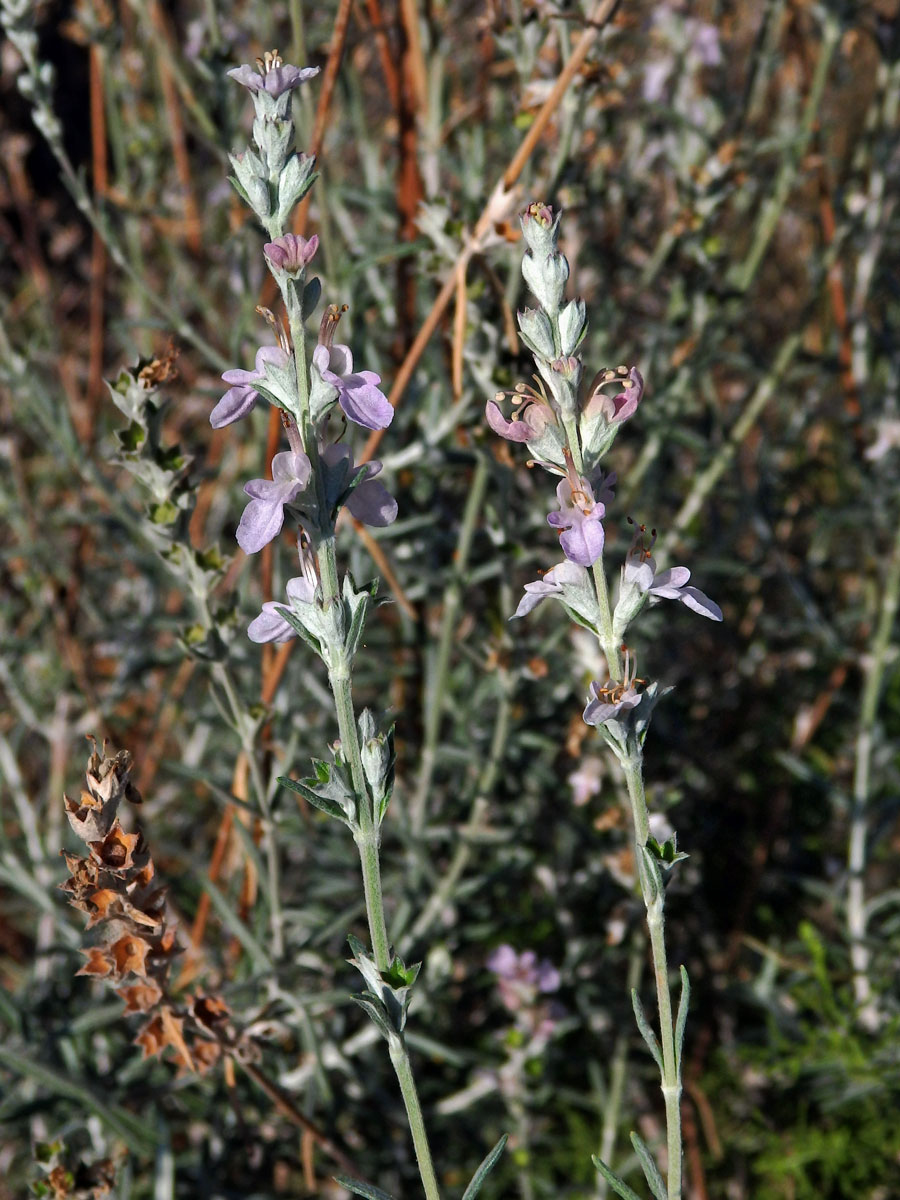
x: 672, y: 584
x: 370, y: 502
x: 358, y: 395
x: 526, y: 426
x: 618, y: 408
x: 520, y: 977
x: 586, y: 779
x: 553, y: 583
x: 272, y: 75
x: 607, y: 700
x: 580, y: 513
x: 264, y: 516
x: 270, y: 625
x: 241, y: 397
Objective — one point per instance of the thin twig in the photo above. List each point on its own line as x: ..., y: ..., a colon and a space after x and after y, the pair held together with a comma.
x: 491, y: 211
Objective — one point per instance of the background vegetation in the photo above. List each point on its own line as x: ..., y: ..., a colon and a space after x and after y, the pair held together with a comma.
x: 729, y: 178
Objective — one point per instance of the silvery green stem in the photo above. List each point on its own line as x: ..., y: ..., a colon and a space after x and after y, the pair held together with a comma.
x: 654, y: 900
x: 400, y: 1059
x: 874, y: 668
x: 368, y: 838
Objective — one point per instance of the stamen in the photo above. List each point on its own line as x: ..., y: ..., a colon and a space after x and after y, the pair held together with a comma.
x: 270, y: 61
x: 282, y: 337
x: 329, y: 323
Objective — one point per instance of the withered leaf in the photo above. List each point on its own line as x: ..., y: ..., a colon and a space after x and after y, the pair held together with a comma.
x: 98, y: 962
x: 130, y: 955
x: 140, y: 997
x: 117, y: 849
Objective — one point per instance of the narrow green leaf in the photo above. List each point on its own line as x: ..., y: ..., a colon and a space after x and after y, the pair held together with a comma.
x: 313, y: 798
x: 484, y: 1170
x: 376, y: 1011
x: 681, y: 1019
x: 300, y: 629
x: 649, y: 1167
x: 362, y: 1189
x: 644, y: 1026
x: 128, y: 1127
x: 618, y: 1186
x: 229, y: 917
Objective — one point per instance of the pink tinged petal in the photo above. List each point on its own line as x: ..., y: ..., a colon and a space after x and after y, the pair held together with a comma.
x: 372, y: 504
x: 291, y: 252
x: 626, y: 403
x: 270, y: 626
x: 236, y: 403
x: 513, y: 431
x: 639, y: 571
x: 699, y: 603
x: 363, y: 402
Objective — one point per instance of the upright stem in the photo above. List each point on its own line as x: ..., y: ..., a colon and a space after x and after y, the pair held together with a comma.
x: 874, y: 667
x: 654, y: 901
x: 400, y: 1059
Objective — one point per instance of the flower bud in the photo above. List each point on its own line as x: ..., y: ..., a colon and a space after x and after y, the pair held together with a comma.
x: 540, y: 229
x: 572, y: 326
x: 547, y: 278
x: 536, y: 332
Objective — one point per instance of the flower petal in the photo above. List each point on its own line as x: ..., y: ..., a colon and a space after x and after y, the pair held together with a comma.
x: 372, y: 504
x: 236, y: 403
x: 699, y: 603
x: 363, y: 402
x: 261, y: 522
x: 288, y: 467
x: 513, y: 431
x: 669, y: 583
x: 270, y: 626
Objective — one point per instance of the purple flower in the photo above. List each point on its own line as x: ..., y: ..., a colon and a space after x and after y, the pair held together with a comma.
x: 579, y: 519
x: 291, y: 253
x: 241, y: 397
x: 585, y: 781
x: 264, y: 515
x: 520, y: 977
x: 608, y: 700
x: 531, y: 421
x: 270, y: 625
x: 358, y: 396
x: 615, y: 409
x: 672, y: 584
x: 552, y: 584
x: 370, y: 502
x: 273, y: 76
